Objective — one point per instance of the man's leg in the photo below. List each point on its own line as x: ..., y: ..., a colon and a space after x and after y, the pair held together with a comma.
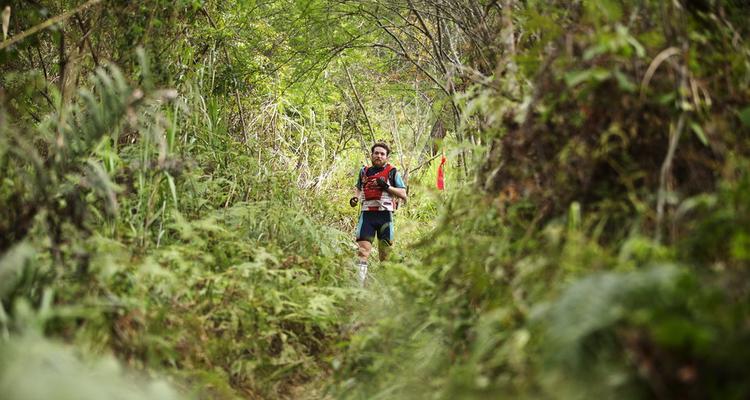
x: 363, y: 250
x: 384, y: 249
x: 365, y: 235
x: 385, y: 237
x: 363, y: 253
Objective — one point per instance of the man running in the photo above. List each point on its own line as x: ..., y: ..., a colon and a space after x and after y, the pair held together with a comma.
x: 378, y: 189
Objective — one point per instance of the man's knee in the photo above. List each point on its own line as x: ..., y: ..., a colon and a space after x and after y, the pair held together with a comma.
x: 363, y: 249
x: 384, y: 249
x: 363, y: 253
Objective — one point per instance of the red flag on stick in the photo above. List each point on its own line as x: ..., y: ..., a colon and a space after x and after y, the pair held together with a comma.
x: 441, y: 175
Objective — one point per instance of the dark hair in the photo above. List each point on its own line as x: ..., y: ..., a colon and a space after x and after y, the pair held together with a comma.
x: 383, y: 145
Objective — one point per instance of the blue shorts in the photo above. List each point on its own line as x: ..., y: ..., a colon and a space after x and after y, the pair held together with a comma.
x: 375, y: 223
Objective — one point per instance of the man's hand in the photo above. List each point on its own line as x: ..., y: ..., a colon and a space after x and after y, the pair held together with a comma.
x: 382, y: 184
x: 354, y: 201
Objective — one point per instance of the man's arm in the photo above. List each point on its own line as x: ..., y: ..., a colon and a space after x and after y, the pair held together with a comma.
x: 398, y: 192
x: 398, y: 188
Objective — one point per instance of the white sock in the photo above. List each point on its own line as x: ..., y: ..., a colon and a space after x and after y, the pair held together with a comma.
x: 362, y: 271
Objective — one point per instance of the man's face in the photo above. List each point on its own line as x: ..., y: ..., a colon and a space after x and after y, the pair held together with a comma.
x: 379, y: 157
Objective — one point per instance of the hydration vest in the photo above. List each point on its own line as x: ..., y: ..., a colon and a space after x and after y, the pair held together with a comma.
x: 374, y: 198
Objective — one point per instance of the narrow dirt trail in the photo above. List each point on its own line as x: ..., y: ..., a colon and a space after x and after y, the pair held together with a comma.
x: 371, y: 304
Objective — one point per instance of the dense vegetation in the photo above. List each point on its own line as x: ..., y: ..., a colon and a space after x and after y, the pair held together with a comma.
x: 175, y: 175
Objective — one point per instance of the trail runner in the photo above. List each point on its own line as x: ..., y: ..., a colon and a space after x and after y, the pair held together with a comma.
x: 379, y: 188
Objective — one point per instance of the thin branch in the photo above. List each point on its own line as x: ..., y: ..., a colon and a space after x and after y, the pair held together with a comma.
x: 359, y: 101
x: 41, y: 61
x: 424, y: 163
x: 419, y: 67
x: 397, y: 140
x: 46, y: 24
x: 86, y: 30
x: 427, y: 33
x: 666, y: 166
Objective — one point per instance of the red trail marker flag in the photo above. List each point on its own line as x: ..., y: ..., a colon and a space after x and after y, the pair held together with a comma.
x: 441, y: 175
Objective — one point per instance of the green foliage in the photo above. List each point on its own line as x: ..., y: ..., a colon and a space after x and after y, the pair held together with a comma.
x: 491, y: 313
x: 226, y: 302
x: 203, y: 232
x: 33, y: 368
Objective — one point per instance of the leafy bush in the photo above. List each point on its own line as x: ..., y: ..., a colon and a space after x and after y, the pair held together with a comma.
x: 32, y: 368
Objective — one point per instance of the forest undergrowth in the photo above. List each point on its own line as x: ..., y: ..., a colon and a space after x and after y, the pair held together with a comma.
x: 174, y: 217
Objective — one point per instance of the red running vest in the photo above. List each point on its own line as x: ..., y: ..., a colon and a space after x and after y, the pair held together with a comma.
x: 375, y: 198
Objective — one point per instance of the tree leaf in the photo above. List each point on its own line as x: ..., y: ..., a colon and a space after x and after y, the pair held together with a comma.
x: 745, y: 116
x: 575, y: 78
x: 624, y: 83
x: 699, y: 132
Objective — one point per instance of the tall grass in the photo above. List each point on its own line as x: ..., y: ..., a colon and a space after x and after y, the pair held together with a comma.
x: 180, y: 253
